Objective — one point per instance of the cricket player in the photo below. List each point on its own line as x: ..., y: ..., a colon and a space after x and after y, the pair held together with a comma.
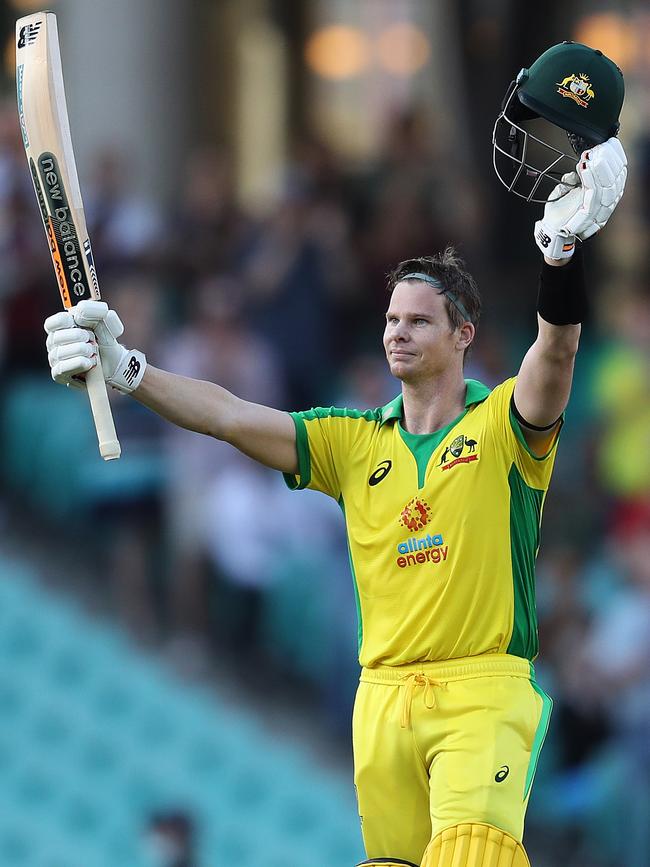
x: 442, y: 491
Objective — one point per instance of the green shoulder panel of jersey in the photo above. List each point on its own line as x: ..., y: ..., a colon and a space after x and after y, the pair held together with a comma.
x: 325, y: 435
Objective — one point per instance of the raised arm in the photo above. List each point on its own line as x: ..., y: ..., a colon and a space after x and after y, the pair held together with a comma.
x: 544, y: 380
x: 265, y: 434
x: 74, y: 337
x: 577, y: 209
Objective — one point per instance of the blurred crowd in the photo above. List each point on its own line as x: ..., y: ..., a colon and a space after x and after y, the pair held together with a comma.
x: 210, y: 557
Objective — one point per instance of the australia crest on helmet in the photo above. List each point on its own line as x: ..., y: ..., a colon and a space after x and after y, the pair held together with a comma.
x: 577, y: 87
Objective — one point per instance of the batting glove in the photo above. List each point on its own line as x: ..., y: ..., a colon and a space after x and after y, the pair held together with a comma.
x: 75, y: 336
x: 584, y: 200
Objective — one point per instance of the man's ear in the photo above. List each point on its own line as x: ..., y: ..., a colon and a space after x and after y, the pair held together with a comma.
x: 466, y: 334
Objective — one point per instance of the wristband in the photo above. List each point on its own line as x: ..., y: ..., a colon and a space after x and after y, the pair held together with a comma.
x: 562, y: 297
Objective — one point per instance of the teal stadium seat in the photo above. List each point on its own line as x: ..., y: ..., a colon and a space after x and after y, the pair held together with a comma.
x: 94, y: 737
x: 296, y: 626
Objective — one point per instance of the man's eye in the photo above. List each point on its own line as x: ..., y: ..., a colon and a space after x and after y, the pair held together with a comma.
x: 421, y: 321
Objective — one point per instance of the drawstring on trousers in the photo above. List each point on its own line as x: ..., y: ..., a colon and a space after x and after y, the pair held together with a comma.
x: 411, y: 683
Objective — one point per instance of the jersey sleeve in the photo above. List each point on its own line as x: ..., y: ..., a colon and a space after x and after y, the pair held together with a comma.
x: 324, y: 437
x: 535, y: 469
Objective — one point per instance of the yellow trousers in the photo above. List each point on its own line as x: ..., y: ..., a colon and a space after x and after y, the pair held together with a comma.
x: 443, y: 743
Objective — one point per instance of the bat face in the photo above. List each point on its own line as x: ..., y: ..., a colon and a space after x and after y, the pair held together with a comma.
x: 46, y: 135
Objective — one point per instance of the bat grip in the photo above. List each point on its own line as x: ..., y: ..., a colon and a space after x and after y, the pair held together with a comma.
x: 109, y: 446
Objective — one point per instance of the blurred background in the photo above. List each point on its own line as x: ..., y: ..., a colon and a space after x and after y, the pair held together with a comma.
x: 177, y: 630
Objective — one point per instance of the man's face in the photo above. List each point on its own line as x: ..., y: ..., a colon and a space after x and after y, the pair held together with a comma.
x: 418, y: 339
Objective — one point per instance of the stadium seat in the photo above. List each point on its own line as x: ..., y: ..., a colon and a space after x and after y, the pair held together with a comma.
x: 94, y: 737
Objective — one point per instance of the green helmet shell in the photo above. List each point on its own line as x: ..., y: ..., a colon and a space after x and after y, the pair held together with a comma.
x: 576, y: 88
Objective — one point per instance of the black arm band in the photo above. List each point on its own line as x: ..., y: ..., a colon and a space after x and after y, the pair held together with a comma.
x: 562, y: 298
x: 527, y: 424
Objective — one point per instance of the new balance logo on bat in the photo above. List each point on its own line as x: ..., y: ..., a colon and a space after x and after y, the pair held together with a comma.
x: 28, y: 34
x: 132, y: 370
x: 62, y: 222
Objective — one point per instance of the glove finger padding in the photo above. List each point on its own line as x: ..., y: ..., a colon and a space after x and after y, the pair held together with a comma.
x: 57, y: 321
x: 612, y: 152
x: 603, y: 171
x: 64, y: 372
x: 69, y: 335
x: 105, y: 323
x: 590, y: 205
x: 571, y: 179
x: 559, y: 192
x: 590, y: 231
x: 109, y: 329
x: 568, y: 183
x: 72, y: 350
x: 114, y: 324
x: 87, y: 314
x: 609, y: 197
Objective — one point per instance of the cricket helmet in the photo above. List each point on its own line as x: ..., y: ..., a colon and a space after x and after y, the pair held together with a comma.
x: 570, y: 89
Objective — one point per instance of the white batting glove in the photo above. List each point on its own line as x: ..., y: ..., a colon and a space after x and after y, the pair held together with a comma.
x: 584, y: 201
x: 71, y: 351
x: 73, y: 338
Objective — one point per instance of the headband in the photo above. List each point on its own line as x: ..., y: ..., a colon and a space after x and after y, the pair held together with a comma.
x: 432, y: 281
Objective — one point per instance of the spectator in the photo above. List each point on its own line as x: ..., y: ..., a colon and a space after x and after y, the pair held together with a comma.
x: 125, y: 226
x: 171, y: 839
x: 207, y: 231
x: 217, y: 342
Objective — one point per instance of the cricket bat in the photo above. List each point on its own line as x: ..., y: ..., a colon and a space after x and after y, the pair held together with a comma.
x: 45, y: 130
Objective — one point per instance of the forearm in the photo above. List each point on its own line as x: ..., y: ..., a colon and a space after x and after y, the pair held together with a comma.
x: 556, y: 345
x: 193, y: 404
x: 544, y: 381
x: 265, y: 434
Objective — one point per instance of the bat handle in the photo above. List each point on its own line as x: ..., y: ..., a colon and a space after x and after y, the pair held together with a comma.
x: 109, y: 446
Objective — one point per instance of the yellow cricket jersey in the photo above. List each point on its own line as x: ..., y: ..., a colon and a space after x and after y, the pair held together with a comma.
x: 443, y: 528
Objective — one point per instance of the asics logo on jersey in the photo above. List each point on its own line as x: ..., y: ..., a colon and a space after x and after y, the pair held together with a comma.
x: 501, y: 774
x: 380, y: 473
